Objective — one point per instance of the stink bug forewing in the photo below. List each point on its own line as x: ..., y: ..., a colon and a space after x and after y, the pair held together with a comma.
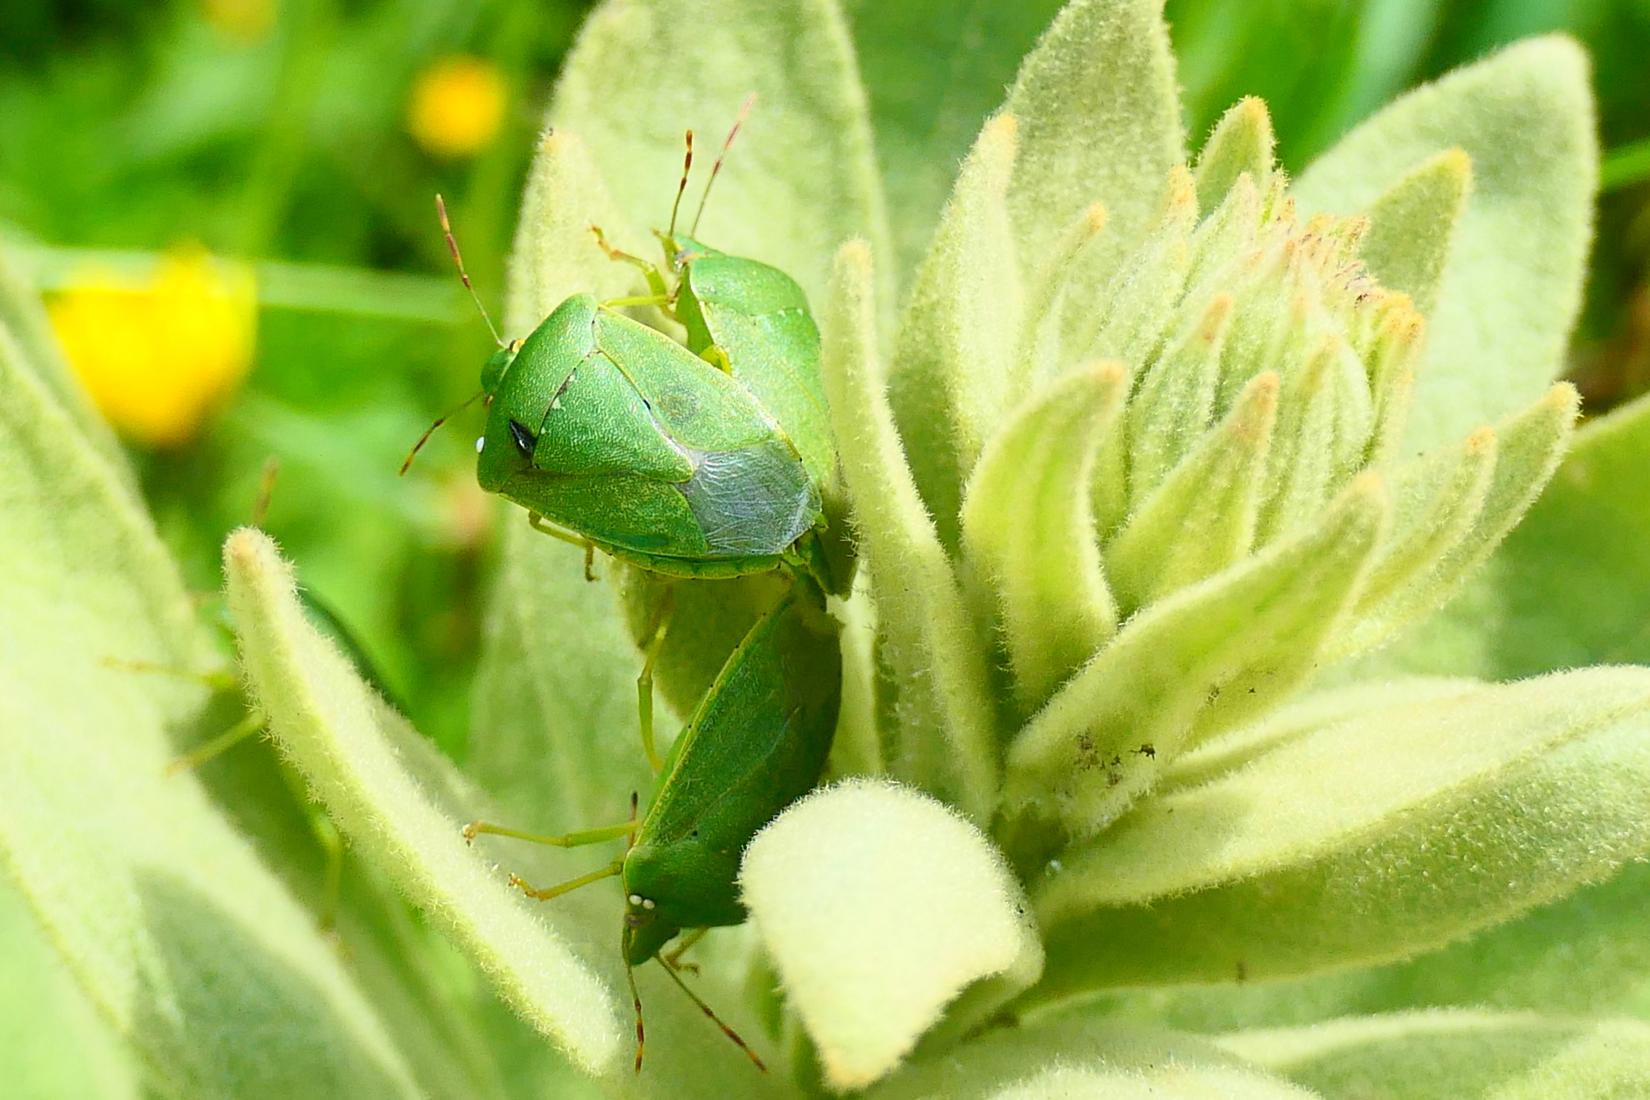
x: 759, y: 317
x: 757, y: 742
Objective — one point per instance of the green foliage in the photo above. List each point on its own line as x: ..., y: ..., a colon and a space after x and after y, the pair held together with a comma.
x: 157, y: 903
x: 1158, y: 468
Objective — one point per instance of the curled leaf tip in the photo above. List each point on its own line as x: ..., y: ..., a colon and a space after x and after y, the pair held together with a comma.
x: 244, y: 549
x: 1215, y: 316
x: 855, y: 253
x: 1563, y: 396
x: 1109, y: 372
x: 1457, y: 162
x: 1003, y: 127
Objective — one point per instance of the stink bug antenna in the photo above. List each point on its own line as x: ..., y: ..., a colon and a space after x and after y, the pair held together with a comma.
x: 709, y: 1013
x: 407, y: 462
x: 629, y: 972
x: 266, y: 490
x: 452, y: 246
x: 636, y: 1000
x: 715, y: 169
x: 687, y: 166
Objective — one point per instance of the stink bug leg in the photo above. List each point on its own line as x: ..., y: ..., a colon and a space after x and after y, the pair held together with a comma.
x: 644, y: 682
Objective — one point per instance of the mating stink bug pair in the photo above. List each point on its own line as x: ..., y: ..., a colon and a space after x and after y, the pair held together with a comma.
x: 704, y: 459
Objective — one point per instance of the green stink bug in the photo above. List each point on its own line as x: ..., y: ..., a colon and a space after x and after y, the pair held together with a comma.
x: 703, y: 460
x: 706, y: 460
x: 757, y: 742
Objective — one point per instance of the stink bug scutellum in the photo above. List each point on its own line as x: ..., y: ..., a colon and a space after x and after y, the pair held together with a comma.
x: 705, y: 460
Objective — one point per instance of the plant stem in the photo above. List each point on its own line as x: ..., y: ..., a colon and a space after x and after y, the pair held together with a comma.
x: 319, y: 288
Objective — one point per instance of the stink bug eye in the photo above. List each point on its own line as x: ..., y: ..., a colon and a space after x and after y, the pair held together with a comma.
x: 525, y: 440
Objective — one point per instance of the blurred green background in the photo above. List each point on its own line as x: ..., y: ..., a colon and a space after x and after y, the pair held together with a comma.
x: 305, y: 138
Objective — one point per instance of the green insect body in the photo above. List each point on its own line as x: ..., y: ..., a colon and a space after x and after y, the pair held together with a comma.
x: 757, y: 742
x: 706, y: 459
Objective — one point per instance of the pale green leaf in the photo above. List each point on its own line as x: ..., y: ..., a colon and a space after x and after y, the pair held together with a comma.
x: 56, y: 1046
x: 1125, y: 316
x: 1437, y: 499
x: 182, y: 940
x: 1571, y: 585
x: 1512, y: 284
x: 555, y: 253
x: 1099, y: 122
x: 1412, y: 225
x: 555, y: 739
x: 1529, y: 446
x: 1236, y: 748
x: 945, y: 741
x: 1457, y: 813
x: 871, y: 940
x: 955, y: 366
x: 1175, y: 400
x: 1459, y: 1055
x: 26, y: 333
x: 1067, y: 1059
x: 1323, y: 430
x: 1028, y: 530
x: 1242, y: 144
x: 1201, y: 517
x: 326, y: 720
x: 1234, y: 643
x: 802, y: 178
x: 934, y: 71
x: 1582, y: 955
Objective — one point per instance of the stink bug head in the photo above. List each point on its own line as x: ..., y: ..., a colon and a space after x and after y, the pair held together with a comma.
x: 645, y: 934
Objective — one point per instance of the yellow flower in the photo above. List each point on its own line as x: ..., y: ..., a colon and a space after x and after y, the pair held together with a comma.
x: 159, y: 354
x: 243, y: 20
x: 457, y: 106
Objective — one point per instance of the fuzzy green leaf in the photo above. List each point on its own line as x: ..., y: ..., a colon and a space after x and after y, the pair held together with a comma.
x: 183, y: 941
x: 1242, y: 144
x: 873, y: 939
x: 945, y: 742
x: 1582, y: 955
x: 955, y: 367
x: 1176, y: 398
x: 1458, y: 1055
x: 1057, y: 1059
x: 26, y: 334
x: 1201, y: 518
x: 1529, y: 446
x: 934, y: 72
x: 1512, y: 284
x: 1124, y: 316
x: 803, y: 177
x: 555, y: 253
x: 1457, y: 814
x: 1234, y: 643
x: 1570, y: 586
x: 555, y: 738
x: 56, y: 1046
x: 1413, y: 224
x: 1028, y: 531
x: 326, y: 720
x: 1099, y: 122
x: 1437, y: 501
